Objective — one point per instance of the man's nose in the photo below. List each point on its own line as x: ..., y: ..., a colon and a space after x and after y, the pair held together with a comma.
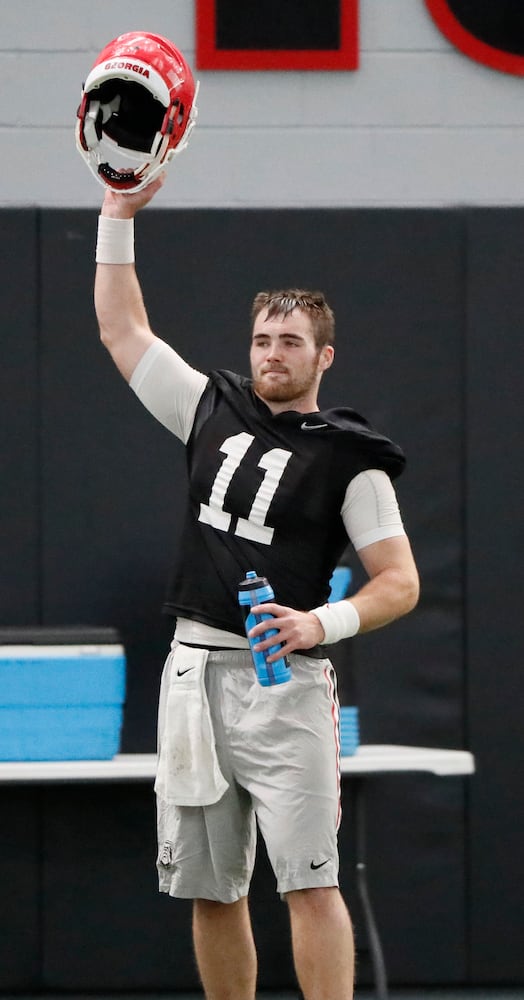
x: 273, y: 350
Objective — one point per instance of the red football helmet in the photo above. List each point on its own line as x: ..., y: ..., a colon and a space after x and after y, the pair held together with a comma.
x: 138, y: 104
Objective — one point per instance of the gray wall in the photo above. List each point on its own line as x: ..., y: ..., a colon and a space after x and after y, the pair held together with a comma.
x: 418, y: 123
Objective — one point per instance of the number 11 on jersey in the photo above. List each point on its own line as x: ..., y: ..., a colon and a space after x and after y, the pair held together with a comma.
x: 254, y: 527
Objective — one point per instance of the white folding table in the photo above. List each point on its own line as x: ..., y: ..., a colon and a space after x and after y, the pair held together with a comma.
x: 369, y: 760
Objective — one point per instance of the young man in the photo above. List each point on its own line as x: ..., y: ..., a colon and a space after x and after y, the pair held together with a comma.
x: 276, y: 486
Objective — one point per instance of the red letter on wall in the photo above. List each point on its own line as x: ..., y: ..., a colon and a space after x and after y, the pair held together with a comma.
x: 489, y: 31
x: 277, y: 34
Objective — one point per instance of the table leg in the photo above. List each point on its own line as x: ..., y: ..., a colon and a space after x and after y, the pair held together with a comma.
x: 375, y: 946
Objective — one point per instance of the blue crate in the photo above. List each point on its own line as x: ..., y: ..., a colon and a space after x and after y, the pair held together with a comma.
x: 61, y: 701
x: 349, y: 730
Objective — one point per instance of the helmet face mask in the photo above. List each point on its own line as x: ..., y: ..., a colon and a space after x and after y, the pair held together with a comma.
x: 137, y: 110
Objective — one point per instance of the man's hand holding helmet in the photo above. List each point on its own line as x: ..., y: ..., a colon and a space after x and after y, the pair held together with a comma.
x: 125, y: 206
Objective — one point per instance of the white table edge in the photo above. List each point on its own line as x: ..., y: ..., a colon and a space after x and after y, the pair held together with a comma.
x: 369, y: 759
x: 390, y: 758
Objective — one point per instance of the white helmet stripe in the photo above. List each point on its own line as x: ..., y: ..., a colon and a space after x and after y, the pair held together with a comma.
x: 131, y: 70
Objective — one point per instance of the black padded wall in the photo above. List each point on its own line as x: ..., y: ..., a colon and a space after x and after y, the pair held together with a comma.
x: 19, y: 570
x: 20, y: 874
x: 19, y: 423
x: 93, y: 503
x: 494, y: 547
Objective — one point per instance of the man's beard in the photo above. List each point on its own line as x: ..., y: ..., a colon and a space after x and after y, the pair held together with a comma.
x: 287, y: 389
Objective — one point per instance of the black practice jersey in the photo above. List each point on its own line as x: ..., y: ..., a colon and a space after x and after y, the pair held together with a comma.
x: 265, y: 494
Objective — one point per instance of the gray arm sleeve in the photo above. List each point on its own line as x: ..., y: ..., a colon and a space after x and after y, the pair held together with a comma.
x: 169, y: 388
x: 370, y: 510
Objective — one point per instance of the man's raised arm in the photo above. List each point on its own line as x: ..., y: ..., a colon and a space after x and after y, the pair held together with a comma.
x: 120, y: 310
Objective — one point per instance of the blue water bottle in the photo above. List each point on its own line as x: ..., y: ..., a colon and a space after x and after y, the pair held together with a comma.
x: 252, y: 591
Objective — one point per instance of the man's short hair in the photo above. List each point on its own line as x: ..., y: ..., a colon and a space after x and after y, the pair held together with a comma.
x: 281, y: 303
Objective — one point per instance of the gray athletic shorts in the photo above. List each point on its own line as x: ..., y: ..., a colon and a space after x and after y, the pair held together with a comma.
x: 278, y: 748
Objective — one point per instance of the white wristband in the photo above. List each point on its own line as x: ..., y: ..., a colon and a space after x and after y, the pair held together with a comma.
x: 339, y: 620
x: 115, y: 241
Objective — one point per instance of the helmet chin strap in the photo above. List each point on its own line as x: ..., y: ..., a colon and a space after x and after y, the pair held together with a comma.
x: 118, y: 179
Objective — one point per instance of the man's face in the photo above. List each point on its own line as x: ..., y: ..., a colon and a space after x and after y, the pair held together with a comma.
x: 285, y: 363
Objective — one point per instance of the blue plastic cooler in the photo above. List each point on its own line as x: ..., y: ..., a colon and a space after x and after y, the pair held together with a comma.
x: 62, y: 693
x: 349, y: 730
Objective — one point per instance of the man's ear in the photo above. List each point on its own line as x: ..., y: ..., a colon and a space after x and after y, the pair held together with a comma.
x: 326, y: 357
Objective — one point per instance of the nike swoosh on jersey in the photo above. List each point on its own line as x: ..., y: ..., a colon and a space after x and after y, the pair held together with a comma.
x: 320, y: 865
x: 311, y: 427
x: 180, y: 673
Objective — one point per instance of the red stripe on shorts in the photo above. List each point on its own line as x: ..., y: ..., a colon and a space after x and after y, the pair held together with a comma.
x: 329, y: 674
